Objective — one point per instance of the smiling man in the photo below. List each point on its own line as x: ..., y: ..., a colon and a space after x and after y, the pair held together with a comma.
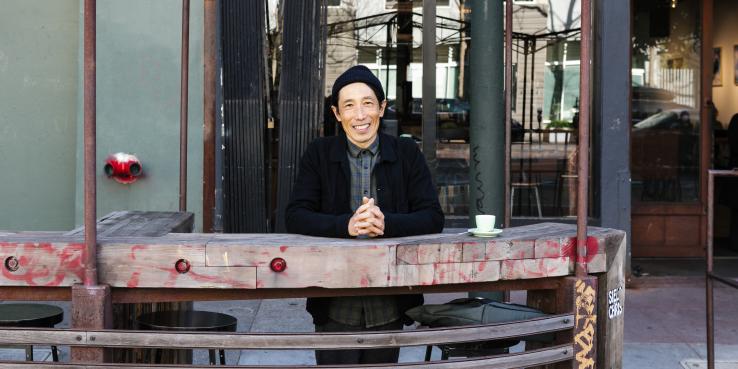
x: 363, y: 184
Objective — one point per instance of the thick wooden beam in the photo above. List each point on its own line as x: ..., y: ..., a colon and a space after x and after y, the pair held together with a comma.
x: 242, y: 261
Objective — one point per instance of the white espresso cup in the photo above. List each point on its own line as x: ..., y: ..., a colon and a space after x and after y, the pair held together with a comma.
x: 485, y: 223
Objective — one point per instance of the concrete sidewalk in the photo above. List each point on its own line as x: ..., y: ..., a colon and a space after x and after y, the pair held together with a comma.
x: 664, y: 329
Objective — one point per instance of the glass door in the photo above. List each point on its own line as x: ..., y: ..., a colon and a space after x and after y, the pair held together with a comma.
x: 667, y: 150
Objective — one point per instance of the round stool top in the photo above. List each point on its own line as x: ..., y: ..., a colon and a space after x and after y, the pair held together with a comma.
x: 187, y: 320
x: 30, y: 315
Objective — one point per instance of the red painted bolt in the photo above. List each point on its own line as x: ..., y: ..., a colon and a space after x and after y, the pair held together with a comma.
x: 182, y: 266
x: 278, y: 265
x: 11, y: 263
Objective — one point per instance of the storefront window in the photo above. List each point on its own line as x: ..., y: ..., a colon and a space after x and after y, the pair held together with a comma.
x: 545, y: 94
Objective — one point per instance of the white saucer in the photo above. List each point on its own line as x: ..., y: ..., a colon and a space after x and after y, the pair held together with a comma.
x: 492, y: 233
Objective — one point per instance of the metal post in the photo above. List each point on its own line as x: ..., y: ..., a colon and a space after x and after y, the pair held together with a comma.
x: 583, y: 147
x: 487, y: 133
x: 710, y: 315
x: 429, y: 85
x: 90, y: 185
x: 183, y: 105
x: 508, y: 108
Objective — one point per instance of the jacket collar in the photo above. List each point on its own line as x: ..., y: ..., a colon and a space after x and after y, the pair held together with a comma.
x: 340, y: 145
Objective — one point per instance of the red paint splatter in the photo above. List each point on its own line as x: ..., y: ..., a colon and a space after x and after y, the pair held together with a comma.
x: 481, y: 266
x: 592, y: 248
x: 282, y: 248
x: 133, y: 282
x: 134, y: 248
x: 567, y: 249
x: 364, y: 282
x: 34, y: 273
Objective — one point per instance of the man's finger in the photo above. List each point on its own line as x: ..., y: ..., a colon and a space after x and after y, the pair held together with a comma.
x: 369, y: 230
x: 372, y: 225
x: 375, y: 222
x: 363, y: 208
x: 377, y: 212
x: 363, y: 216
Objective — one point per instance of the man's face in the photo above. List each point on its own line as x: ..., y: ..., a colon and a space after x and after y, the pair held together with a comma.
x: 359, y: 111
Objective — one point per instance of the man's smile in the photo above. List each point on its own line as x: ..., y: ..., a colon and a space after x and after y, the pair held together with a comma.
x: 362, y: 128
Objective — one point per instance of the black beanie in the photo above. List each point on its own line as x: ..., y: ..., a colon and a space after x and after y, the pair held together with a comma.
x: 357, y: 73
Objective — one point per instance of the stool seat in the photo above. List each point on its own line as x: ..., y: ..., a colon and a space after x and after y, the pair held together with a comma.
x: 183, y: 320
x: 31, y: 316
x: 189, y: 320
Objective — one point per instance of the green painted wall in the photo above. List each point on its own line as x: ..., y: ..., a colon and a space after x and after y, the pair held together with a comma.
x: 38, y: 113
x: 138, y: 74
x: 138, y: 71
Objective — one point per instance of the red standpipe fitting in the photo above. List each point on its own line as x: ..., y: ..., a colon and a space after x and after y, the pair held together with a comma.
x: 122, y: 167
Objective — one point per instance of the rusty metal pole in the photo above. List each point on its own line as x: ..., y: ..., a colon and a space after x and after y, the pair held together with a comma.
x: 91, y: 307
x: 709, y: 308
x: 183, y: 105
x: 508, y: 108
x: 90, y: 185
x: 583, y: 147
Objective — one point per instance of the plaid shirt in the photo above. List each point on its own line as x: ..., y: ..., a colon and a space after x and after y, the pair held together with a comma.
x: 368, y: 311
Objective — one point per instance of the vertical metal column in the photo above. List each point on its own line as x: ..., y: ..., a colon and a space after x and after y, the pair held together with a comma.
x: 610, y: 112
x: 487, y: 133
x: 183, y: 92
x: 583, y: 147
x: 209, y: 87
x: 508, y: 108
x: 403, y: 90
x: 90, y: 107
x: 429, y: 85
x: 709, y: 308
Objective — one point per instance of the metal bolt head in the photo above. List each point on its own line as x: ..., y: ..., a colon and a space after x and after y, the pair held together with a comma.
x: 92, y: 338
x: 278, y: 265
x: 11, y: 263
x: 182, y: 266
x: 78, y: 338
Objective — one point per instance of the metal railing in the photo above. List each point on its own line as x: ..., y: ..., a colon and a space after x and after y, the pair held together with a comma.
x: 291, y: 341
x: 710, y: 275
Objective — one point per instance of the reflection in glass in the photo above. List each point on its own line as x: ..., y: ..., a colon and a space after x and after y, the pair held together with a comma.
x: 545, y: 93
x: 665, y: 105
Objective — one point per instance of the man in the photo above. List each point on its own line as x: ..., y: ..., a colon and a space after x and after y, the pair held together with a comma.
x: 362, y: 184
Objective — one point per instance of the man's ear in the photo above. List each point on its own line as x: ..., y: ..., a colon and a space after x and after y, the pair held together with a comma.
x: 336, y: 113
x: 381, y: 108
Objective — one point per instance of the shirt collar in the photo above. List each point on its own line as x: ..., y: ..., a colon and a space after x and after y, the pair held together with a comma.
x: 354, y: 150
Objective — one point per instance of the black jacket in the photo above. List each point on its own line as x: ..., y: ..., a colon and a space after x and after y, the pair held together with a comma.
x: 320, y: 201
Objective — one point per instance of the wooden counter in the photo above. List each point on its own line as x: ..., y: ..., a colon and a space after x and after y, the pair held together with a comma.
x: 237, y: 266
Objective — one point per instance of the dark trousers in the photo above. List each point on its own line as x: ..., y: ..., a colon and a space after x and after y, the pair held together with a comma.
x: 373, y: 356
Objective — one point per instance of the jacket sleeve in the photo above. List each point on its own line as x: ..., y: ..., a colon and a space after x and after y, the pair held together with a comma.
x: 424, y: 211
x: 303, y: 215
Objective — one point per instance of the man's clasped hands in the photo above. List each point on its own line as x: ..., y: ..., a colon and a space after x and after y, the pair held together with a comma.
x: 367, y: 220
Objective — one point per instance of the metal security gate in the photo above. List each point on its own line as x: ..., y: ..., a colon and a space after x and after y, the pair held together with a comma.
x: 244, y: 116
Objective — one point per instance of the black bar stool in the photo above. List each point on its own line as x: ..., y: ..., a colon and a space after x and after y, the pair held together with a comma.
x: 192, y: 320
x: 31, y: 316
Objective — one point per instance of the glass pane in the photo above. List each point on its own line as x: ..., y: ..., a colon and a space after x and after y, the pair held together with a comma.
x: 666, y: 101
x: 545, y: 112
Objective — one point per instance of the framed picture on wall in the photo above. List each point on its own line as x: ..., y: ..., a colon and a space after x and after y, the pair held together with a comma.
x: 735, y: 64
x: 717, y: 75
